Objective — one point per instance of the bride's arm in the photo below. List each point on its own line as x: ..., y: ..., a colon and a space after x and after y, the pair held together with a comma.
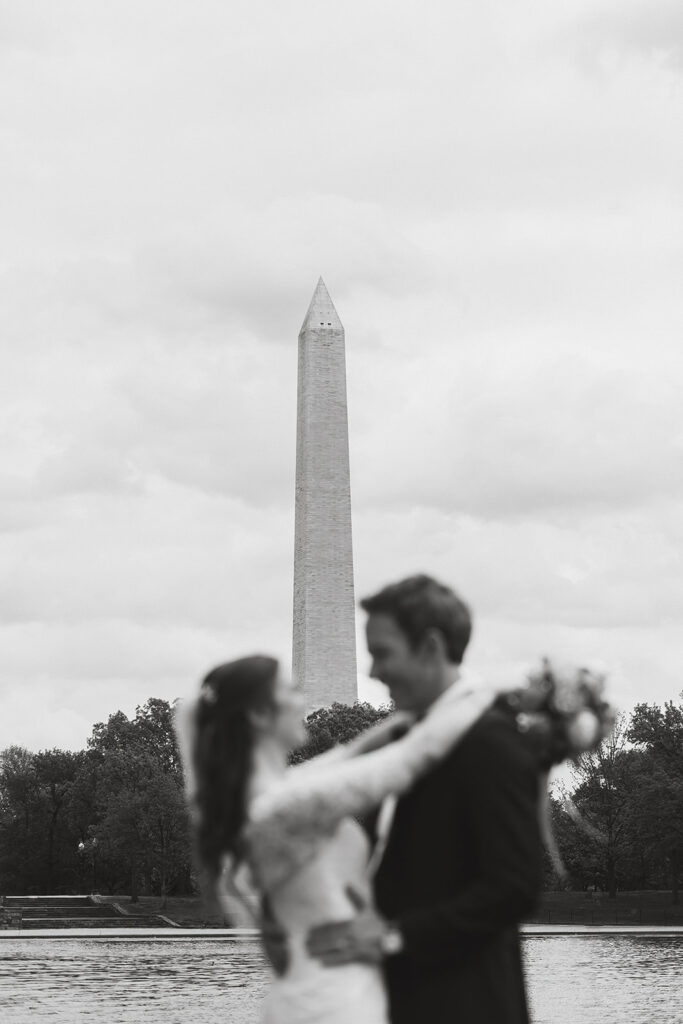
x: 388, y: 730
x: 287, y: 821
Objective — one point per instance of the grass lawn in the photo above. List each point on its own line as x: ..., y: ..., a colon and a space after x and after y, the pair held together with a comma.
x: 627, y: 908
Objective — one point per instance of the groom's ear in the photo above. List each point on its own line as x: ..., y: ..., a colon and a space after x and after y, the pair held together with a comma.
x: 434, y: 645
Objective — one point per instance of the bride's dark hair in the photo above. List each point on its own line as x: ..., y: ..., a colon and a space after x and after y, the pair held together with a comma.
x: 221, y: 755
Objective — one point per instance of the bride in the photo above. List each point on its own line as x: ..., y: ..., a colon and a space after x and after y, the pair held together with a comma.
x: 292, y: 831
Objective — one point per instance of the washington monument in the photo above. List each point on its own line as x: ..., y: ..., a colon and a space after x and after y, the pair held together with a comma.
x: 324, y: 606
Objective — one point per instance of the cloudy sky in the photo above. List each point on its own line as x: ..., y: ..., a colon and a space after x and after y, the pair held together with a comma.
x: 493, y: 194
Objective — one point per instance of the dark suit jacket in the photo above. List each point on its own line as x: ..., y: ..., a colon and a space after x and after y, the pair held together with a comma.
x: 462, y: 867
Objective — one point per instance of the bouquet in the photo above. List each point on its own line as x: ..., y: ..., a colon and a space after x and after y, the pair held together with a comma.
x: 563, y: 711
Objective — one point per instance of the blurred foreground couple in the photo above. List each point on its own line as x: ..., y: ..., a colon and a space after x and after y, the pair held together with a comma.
x: 389, y: 874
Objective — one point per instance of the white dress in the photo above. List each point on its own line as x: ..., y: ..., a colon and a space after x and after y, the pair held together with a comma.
x: 304, y: 850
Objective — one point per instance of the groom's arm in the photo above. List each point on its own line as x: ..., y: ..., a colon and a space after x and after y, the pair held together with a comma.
x: 498, y: 779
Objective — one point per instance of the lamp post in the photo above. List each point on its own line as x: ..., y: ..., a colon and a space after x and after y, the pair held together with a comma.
x: 84, y: 847
x: 81, y: 857
x: 94, y: 863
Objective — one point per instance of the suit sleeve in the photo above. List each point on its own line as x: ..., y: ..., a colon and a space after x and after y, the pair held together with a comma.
x: 499, y: 778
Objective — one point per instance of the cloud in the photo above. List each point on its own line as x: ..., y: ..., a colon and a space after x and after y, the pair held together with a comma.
x: 652, y: 31
x: 170, y: 556
x: 514, y: 437
x: 594, y: 571
x: 494, y: 198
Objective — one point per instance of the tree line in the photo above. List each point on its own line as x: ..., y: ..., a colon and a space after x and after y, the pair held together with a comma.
x: 111, y: 818
x: 619, y: 825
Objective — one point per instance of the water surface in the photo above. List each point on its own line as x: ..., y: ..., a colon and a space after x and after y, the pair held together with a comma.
x: 607, y: 979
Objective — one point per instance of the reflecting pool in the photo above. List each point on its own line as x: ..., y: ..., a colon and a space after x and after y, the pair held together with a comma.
x: 605, y: 979
x: 586, y: 979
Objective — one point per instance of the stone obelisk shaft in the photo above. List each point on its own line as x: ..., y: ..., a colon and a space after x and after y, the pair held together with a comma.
x: 324, y: 605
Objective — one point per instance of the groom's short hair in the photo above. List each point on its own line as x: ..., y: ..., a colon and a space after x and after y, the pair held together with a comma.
x: 418, y: 604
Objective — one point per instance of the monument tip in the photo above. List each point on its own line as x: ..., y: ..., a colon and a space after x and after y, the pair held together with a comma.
x: 321, y: 313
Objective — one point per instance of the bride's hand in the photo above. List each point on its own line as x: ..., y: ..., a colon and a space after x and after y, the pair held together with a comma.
x: 387, y: 731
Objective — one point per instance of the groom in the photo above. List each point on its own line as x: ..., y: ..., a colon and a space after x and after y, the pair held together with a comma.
x: 458, y: 859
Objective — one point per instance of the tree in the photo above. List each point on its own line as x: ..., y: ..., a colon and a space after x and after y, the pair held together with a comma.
x: 55, y: 772
x: 37, y: 841
x: 114, y: 734
x: 581, y: 855
x: 659, y: 806
x: 154, y: 723
x: 601, y: 807
x: 339, y: 723
x: 142, y: 821
x: 18, y: 797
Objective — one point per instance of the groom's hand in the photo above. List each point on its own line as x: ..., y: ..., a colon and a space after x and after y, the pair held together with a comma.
x: 362, y: 939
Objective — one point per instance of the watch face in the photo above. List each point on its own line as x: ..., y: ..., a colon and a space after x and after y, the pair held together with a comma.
x: 392, y: 942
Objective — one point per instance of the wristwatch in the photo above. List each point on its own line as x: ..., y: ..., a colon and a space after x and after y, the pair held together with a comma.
x: 391, y: 941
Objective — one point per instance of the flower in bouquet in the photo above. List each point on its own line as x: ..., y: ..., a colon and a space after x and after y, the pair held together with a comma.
x: 564, y: 710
